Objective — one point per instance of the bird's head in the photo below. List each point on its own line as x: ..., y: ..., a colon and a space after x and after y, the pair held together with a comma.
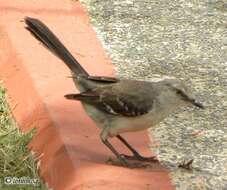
x: 182, y: 92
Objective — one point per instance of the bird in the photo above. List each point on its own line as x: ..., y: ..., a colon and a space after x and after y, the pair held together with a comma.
x: 117, y: 105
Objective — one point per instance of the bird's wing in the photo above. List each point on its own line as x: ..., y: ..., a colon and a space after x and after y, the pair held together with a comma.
x: 103, y: 79
x: 115, y: 102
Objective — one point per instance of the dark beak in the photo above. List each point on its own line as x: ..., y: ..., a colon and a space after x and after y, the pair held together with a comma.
x: 197, y: 104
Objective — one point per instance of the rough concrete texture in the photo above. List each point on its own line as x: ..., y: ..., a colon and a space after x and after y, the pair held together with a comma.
x: 67, y: 142
x: 184, y: 39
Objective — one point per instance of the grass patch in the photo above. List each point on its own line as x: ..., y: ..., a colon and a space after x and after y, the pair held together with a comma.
x: 15, y: 158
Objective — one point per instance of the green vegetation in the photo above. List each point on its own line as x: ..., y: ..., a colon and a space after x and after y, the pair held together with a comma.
x: 15, y: 158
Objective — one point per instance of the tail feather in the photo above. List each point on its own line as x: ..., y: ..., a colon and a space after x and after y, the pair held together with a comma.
x: 49, y: 40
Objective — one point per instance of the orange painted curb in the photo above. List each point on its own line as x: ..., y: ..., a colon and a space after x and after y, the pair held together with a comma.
x: 72, y: 156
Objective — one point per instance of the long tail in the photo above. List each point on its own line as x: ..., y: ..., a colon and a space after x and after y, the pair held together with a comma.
x: 44, y: 35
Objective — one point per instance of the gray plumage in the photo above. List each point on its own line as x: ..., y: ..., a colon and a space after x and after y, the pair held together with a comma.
x: 116, y: 105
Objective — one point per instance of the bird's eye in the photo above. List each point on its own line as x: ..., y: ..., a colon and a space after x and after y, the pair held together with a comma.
x: 178, y: 91
x: 182, y: 93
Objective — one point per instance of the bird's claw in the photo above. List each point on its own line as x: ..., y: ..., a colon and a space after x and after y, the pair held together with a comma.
x: 122, y: 161
x: 139, y: 158
x: 134, y: 165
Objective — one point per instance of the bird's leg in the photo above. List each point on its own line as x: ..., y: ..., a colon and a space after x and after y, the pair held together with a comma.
x: 104, y: 135
x: 120, y: 157
x: 136, y: 155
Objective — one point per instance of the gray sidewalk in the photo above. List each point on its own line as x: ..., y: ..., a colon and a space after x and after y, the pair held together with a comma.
x: 185, y: 39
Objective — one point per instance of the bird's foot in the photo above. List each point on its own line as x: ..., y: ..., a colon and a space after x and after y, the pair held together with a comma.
x: 137, y: 165
x: 128, y: 164
x: 186, y: 165
x: 134, y: 165
x: 140, y: 158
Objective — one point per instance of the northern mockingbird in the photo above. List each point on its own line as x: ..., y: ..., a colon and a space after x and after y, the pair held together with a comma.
x: 117, y: 105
